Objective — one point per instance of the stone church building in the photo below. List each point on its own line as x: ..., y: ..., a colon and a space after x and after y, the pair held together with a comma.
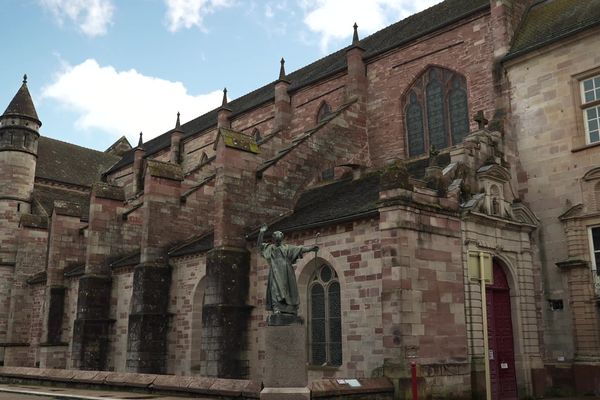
x: 144, y: 259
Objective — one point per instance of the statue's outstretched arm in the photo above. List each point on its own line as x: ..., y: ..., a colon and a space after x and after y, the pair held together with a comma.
x: 261, y: 234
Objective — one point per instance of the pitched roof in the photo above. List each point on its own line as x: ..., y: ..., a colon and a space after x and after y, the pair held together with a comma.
x: 393, y: 36
x: 69, y: 163
x: 199, y: 245
x: 341, y: 200
x: 550, y: 20
x: 22, y: 104
x: 47, y: 195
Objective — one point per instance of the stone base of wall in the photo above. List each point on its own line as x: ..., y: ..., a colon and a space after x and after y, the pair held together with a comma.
x: 579, y: 378
x: 18, y: 356
x: 440, y: 380
x: 214, y: 388
x: 225, y: 314
x: 91, y: 329
x: 53, y: 356
x: 149, y: 321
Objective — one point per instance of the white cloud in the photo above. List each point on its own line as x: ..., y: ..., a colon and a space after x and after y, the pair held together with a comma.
x: 92, y: 17
x: 333, y: 19
x: 269, y: 11
x: 190, y: 13
x: 125, y: 102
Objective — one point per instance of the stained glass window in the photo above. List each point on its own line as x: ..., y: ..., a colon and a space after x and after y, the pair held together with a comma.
x: 459, y: 112
x: 436, y: 111
x: 435, y: 114
x: 414, y: 127
x: 325, y: 317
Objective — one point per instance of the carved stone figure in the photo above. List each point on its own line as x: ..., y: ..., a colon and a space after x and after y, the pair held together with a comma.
x: 282, y: 288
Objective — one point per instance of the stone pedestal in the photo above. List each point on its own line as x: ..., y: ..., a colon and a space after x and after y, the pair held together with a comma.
x: 285, y: 376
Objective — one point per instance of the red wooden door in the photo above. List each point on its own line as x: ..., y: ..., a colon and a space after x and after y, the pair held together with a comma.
x: 502, y: 354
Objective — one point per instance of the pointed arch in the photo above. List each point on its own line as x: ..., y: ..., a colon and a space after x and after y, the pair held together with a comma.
x: 322, y: 290
x: 436, y: 111
x: 324, y: 111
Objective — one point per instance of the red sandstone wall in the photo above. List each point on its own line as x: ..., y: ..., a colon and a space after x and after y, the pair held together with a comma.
x: 186, y: 294
x: 120, y: 307
x: 466, y: 49
x: 353, y: 250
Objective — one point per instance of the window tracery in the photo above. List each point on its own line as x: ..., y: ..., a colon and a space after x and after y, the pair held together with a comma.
x: 325, y: 317
x: 436, y: 111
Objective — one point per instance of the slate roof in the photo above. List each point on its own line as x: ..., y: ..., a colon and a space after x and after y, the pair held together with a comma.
x: 127, y: 261
x: 393, y: 36
x: 46, y: 195
x: 21, y: 104
x: 69, y: 163
x: 550, y: 20
x: 196, y: 246
x: 338, y: 201
x: 417, y: 168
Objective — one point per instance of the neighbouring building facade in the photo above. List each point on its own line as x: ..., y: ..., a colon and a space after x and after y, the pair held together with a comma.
x: 144, y: 259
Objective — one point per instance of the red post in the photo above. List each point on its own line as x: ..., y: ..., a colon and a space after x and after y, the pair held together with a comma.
x: 413, y: 372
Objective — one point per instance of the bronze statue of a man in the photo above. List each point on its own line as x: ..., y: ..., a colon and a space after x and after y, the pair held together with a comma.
x: 282, y: 288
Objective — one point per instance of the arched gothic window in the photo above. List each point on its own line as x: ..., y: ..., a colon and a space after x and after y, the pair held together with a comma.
x: 324, y: 111
x: 325, y: 317
x: 436, y: 111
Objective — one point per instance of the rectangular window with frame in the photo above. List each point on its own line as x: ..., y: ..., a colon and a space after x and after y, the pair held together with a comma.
x: 594, y: 238
x: 590, y: 104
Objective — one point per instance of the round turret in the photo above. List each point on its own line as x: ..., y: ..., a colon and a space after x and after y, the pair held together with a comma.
x: 19, y: 134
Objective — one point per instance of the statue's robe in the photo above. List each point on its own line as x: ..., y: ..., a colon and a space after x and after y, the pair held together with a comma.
x: 282, y: 288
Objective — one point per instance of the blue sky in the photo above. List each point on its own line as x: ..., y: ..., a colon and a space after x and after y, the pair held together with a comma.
x: 100, y: 69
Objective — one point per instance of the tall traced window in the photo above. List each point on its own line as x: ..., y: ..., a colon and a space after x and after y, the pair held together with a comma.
x: 323, y: 112
x: 590, y: 103
x: 436, y: 111
x: 325, y: 317
x: 594, y: 234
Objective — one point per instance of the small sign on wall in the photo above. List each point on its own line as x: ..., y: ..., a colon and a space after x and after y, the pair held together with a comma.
x: 503, y: 365
x: 473, y: 266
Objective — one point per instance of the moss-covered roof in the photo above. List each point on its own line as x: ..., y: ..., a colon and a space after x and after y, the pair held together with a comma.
x: 550, y: 20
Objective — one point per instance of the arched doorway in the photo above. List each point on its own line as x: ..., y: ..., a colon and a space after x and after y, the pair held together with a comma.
x: 501, y: 341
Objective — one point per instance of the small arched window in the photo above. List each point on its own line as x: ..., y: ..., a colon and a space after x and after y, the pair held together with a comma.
x: 325, y: 317
x: 324, y: 111
x: 256, y: 135
x: 436, y: 111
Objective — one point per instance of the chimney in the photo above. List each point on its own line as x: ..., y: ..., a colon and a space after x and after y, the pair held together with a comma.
x: 283, y: 107
x: 224, y: 113
x: 176, y: 135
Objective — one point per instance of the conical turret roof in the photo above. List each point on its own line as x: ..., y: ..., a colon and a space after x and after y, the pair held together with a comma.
x: 22, y: 104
